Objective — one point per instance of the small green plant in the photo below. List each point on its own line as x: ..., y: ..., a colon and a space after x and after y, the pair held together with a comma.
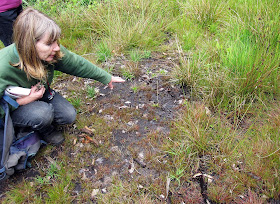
x: 162, y: 72
x: 146, y: 54
x: 155, y: 105
x: 127, y: 74
x: 135, y: 55
x: 135, y: 89
x: 103, y: 52
x: 91, y: 93
x: 53, y: 170
x: 76, y: 102
x: 52, y: 173
x: 151, y: 73
x: 42, y: 180
x: 178, y: 174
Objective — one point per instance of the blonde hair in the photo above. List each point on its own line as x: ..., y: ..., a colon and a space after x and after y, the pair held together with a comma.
x: 30, y: 27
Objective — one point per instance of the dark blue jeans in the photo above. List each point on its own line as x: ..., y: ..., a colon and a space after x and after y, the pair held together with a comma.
x: 7, y: 19
x: 45, y: 114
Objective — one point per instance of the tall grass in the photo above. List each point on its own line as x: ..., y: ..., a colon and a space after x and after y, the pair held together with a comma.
x: 129, y: 24
x: 200, y: 142
x: 252, y: 64
x: 240, y: 56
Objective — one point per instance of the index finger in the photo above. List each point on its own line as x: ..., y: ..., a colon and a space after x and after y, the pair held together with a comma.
x: 117, y: 79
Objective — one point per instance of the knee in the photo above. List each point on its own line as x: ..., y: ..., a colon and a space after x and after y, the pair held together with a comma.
x: 69, y: 116
x: 43, y: 116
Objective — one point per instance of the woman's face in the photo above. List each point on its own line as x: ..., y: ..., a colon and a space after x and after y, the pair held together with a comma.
x: 46, y: 50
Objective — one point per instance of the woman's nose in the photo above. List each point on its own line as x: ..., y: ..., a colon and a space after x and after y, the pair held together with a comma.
x: 56, y: 47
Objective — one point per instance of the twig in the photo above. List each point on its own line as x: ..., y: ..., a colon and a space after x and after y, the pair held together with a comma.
x: 142, y: 164
x: 167, y: 185
x: 157, y: 93
x: 269, y: 154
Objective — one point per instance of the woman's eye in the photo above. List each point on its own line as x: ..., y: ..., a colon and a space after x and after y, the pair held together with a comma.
x: 49, y: 43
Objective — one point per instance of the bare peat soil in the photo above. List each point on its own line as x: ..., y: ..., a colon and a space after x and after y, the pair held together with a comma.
x: 139, y: 113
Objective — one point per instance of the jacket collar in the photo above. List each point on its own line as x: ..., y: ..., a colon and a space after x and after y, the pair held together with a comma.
x: 15, y: 51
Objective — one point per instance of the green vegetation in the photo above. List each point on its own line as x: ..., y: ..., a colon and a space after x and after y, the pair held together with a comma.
x: 91, y: 93
x: 227, y: 56
x: 54, y: 183
x: 127, y: 74
x: 103, y: 52
x: 137, y: 55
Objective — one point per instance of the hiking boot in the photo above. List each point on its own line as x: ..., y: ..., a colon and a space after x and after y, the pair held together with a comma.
x: 54, y: 138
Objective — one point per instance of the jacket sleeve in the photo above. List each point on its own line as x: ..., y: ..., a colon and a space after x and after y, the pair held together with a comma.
x: 3, y: 85
x: 76, y: 65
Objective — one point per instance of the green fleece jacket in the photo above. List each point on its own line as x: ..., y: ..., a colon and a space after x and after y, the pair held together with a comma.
x: 70, y: 64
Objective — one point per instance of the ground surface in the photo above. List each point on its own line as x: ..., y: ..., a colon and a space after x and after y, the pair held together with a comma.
x: 118, y: 138
x: 137, y: 113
